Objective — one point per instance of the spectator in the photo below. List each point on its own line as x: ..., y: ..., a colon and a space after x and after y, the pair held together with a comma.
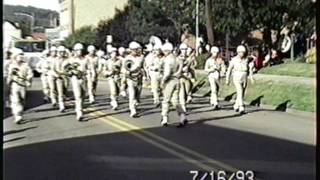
x: 257, y: 58
x: 273, y: 59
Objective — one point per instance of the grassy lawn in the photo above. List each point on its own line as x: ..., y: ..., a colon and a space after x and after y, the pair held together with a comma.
x: 297, y: 96
x: 291, y: 69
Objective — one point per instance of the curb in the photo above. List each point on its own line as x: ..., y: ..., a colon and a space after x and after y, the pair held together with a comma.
x: 272, y: 107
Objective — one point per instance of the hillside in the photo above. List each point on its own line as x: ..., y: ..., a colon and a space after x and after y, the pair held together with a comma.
x: 43, y: 17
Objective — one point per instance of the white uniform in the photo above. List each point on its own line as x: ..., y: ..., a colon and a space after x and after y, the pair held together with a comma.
x: 51, y: 81
x: 111, y: 70
x: 155, y: 71
x: 79, y: 81
x: 134, y: 80
x: 185, y: 81
x: 240, y: 68
x: 43, y: 67
x: 92, y: 77
x: 57, y: 76
x: 123, y: 83
x: 147, y: 62
x: 215, y: 67
x: 19, y: 78
x: 171, y: 82
x: 6, y: 65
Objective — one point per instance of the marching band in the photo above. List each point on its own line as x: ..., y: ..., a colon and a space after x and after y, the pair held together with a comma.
x: 171, y: 75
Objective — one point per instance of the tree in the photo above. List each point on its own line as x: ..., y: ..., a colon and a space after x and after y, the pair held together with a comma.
x: 115, y: 27
x: 238, y: 17
x: 143, y: 18
x: 209, y: 21
x: 85, y: 35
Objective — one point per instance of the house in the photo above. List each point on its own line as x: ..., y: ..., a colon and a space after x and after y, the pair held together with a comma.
x: 11, y: 33
x: 75, y: 14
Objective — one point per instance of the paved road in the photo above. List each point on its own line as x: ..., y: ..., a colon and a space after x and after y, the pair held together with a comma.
x: 111, y: 145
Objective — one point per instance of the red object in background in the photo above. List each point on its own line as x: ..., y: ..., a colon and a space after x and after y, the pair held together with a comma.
x: 258, y: 63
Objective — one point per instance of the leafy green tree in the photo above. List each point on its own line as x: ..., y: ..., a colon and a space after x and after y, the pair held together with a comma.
x: 115, y: 27
x: 85, y: 35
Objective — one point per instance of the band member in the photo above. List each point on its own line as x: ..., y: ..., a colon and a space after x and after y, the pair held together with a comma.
x: 193, y: 63
x: 58, y: 75
x: 101, y: 60
x: 122, y: 52
x: 111, y: 70
x: 185, y: 80
x: 241, y: 68
x: 148, y: 61
x: 79, y: 68
x: 19, y: 78
x: 215, y: 67
x: 133, y: 69
x: 6, y: 63
x: 123, y: 83
x: 92, y: 78
x: 51, y: 76
x: 155, y: 69
x: 171, y: 83
x: 43, y: 67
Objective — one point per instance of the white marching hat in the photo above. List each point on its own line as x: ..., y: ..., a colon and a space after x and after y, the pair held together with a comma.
x: 183, y: 46
x: 91, y: 48
x: 167, y: 47
x: 100, y: 53
x: 53, y: 48
x: 61, y: 49
x: 78, y: 46
x: 214, y: 49
x: 241, y: 48
x: 121, y: 50
x: 134, y: 45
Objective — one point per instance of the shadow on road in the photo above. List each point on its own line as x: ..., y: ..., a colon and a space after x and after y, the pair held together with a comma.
x: 18, y: 130
x: 33, y: 99
x: 14, y: 139
x: 125, y: 156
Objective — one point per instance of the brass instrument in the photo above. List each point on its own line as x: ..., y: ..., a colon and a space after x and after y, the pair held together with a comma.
x: 128, y: 65
x: 133, y: 73
x: 71, y: 69
x: 17, y: 78
x: 115, y: 70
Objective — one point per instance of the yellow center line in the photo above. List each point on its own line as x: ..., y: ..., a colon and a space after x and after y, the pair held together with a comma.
x: 148, y: 140
x: 148, y: 137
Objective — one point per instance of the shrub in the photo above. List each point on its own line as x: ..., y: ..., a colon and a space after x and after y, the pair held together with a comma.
x: 311, y: 56
x: 201, y: 59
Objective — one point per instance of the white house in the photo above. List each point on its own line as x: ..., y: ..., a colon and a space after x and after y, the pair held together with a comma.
x: 11, y: 33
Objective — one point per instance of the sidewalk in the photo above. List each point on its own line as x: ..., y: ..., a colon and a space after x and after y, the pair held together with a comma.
x: 279, y: 78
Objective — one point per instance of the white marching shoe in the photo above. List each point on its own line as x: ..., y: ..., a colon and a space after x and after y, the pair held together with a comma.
x: 241, y: 110
x: 114, y: 105
x: 183, y: 121
x: 189, y: 99
x: 133, y: 113
x: 18, y: 119
x: 79, y: 116
x: 164, y: 121
x: 123, y: 93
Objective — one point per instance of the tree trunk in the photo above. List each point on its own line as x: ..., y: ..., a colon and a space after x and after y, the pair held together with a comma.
x: 209, y: 21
